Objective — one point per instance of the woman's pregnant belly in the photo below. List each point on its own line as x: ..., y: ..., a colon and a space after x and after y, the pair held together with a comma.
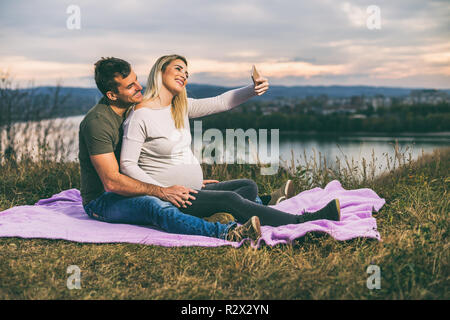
x: 188, y: 175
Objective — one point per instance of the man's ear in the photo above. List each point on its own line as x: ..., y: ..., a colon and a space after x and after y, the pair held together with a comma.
x: 111, y: 95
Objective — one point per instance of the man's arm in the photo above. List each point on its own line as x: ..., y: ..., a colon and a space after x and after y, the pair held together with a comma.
x: 113, y: 181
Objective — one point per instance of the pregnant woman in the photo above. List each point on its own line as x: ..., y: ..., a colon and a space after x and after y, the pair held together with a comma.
x: 156, y: 149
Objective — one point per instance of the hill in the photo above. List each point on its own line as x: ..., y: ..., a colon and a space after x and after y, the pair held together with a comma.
x: 79, y: 100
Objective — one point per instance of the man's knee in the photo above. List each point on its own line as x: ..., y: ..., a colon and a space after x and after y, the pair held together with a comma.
x: 155, y: 202
x: 156, y: 210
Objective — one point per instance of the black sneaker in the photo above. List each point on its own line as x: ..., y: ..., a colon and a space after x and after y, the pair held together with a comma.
x: 251, y: 229
x: 332, y: 211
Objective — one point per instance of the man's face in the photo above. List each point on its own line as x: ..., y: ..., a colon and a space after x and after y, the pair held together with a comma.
x: 128, y: 90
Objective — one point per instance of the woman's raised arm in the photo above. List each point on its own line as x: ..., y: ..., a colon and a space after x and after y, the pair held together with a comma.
x: 227, y: 100
x: 224, y: 102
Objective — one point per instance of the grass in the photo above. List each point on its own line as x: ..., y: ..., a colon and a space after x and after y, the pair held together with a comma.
x: 413, y: 256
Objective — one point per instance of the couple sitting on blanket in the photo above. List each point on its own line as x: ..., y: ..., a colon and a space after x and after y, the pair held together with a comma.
x: 137, y: 166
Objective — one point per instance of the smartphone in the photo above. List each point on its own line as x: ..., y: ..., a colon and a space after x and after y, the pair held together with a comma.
x: 255, y: 74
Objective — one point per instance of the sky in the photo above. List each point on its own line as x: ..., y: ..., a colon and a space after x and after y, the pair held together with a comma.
x: 401, y: 43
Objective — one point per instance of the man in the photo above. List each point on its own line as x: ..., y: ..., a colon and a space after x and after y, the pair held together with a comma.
x: 113, y: 197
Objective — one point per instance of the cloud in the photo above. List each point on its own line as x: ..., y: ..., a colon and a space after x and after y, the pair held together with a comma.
x: 26, y: 70
x: 289, y: 40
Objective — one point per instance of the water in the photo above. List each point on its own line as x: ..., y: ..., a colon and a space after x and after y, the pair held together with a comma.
x: 297, y: 146
x: 377, y: 149
x: 299, y: 149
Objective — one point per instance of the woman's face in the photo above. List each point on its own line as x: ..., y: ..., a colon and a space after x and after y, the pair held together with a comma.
x: 175, y: 76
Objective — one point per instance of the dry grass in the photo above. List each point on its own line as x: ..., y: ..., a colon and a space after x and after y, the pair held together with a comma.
x: 413, y: 256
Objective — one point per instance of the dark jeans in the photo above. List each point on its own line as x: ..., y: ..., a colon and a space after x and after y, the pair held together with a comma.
x: 238, y: 198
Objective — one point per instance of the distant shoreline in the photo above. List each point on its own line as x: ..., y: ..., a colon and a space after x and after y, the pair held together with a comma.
x: 309, y: 133
x: 356, y: 133
x: 367, y: 133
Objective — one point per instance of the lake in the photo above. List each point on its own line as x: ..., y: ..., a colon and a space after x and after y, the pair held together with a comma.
x: 300, y: 147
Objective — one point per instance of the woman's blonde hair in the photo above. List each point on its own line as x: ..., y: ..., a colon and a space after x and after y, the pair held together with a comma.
x: 154, y: 84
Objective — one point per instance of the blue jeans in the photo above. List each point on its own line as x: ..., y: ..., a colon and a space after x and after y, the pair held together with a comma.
x: 147, y: 210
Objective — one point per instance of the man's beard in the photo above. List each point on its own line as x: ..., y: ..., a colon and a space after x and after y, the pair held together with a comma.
x: 123, y: 104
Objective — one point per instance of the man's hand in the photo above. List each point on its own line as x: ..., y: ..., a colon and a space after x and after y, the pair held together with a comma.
x: 178, y: 195
x: 209, y: 181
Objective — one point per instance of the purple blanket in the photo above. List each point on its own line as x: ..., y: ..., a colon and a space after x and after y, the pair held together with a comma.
x: 62, y: 217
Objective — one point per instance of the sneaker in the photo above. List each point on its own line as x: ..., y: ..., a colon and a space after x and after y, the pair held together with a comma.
x: 284, y: 192
x: 251, y: 229
x: 332, y: 211
x: 221, y: 217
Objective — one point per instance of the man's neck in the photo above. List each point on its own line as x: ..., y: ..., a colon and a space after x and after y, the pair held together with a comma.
x: 119, y: 110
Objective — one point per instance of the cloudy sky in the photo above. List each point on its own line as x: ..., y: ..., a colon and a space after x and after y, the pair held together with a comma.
x: 292, y: 42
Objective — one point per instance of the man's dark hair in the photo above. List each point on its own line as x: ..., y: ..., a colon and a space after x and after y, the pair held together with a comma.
x: 106, y: 69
